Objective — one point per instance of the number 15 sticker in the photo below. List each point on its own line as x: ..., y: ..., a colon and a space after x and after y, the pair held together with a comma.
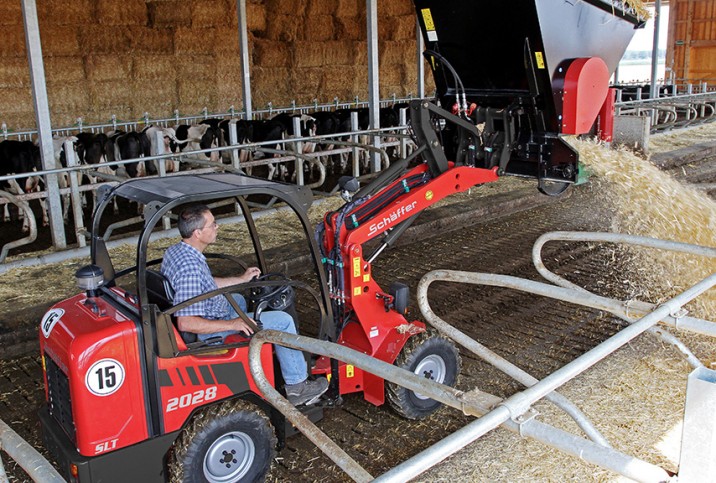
x: 104, y: 377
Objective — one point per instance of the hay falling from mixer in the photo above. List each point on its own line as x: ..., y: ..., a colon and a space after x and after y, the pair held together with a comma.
x: 650, y: 202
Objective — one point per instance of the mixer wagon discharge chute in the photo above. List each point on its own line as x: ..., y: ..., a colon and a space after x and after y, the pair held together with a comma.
x: 530, y: 71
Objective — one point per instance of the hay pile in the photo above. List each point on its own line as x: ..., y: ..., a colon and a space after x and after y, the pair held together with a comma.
x: 650, y: 202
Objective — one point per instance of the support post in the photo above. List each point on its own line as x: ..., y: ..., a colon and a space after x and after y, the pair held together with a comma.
x: 42, y: 117
x: 373, y: 79
x: 420, y: 60
x: 244, y: 49
x: 653, y: 89
x: 698, y: 441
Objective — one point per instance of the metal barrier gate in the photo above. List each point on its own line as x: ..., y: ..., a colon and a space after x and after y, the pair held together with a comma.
x: 515, y: 412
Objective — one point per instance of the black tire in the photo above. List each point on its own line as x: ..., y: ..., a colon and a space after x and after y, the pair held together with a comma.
x: 433, y: 356
x: 235, y: 430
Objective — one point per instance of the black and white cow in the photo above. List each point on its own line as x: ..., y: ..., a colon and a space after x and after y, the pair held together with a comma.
x: 171, y: 145
x: 20, y: 157
x: 264, y: 130
x: 307, y: 128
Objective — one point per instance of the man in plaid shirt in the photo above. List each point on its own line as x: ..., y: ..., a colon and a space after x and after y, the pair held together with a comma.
x: 185, y: 267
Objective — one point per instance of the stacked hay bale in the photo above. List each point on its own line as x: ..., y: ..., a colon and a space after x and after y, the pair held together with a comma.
x: 128, y: 57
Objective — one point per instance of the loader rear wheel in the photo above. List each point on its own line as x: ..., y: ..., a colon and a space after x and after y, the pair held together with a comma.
x: 432, y: 356
x: 226, y: 443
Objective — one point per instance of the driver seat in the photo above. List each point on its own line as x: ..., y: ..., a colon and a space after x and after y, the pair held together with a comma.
x: 161, y: 293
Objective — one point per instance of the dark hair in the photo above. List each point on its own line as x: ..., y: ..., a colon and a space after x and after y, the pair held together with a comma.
x: 191, y: 218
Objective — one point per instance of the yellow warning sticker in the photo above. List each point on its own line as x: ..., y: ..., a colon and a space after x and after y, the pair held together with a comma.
x: 540, y: 60
x: 350, y: 371
x: 357, y: 291
x: 356, y: 267
x: 366, y: 278
x: 429, y: 27
x: 428, y: 19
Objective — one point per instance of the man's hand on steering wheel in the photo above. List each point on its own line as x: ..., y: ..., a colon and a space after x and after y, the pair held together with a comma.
x: 250, y: 274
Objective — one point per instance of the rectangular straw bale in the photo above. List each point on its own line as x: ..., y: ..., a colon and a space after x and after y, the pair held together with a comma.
x: 336, y: 79
x: 13, y: 42
x: 107, y: 67
x: 255, y: 17
x: 194, y: 40
x: 309, y: 54
x: 321, y: 7
x: 392, y: 76
x: 395, y: 9
x: 196, y: 67
x: 271, y: 53
x: 283, y: 28
x: 14, y: 101
x: 402, y: 28
x: 212, y: 13
x: 64, y: 12
x: 286, y: 7
x: 64, y: 69
x: 155, y: 68
x: 60, y: 40
x: 342, y: 52
x: 307, y: 80
x: 349, y: 8
x: 14, y: 72
x: 68, y: 96
x: 195, y: 92
x: 158, y: 99
x: 226, y: 41
x: 154, y: 40
x: 271, y: 83
x: 318, y: 28
x: 124, y: 12
x: 102, y: 39
x: 169, y: 13
x: 11, y: 14
x: 106, y: 94
x: 394, y: 52
x: 350, y: 28
x: 228, y: 94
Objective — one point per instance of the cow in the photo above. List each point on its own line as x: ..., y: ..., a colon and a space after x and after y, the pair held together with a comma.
x: 307, y: 128
x: 199, y: 136
x: 327, y: 124
x: 20, y: 157
x: 345, y: 125
x: 264, y: 130
x: 171, y: 145
x: 63, y: 179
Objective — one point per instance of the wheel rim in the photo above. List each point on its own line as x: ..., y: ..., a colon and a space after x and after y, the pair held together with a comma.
x: 229, y: 458
x: 432, y: 367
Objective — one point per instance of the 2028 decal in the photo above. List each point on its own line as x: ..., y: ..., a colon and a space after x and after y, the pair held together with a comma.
x: 191, y: 399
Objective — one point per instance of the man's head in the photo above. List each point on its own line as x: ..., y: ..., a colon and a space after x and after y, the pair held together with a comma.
x: 197, y: 226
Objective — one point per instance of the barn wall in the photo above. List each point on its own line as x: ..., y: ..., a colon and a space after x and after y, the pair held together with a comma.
x: 691, y: 50
x: 125, y: 57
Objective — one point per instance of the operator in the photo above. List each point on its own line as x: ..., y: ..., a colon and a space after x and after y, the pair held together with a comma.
x: 184, y: 265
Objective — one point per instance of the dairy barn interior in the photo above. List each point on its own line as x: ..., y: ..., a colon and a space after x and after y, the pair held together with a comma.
x: 541, y: 225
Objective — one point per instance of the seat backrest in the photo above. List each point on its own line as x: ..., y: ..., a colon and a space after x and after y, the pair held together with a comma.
x: 161, y: 293
x: 159, y: 290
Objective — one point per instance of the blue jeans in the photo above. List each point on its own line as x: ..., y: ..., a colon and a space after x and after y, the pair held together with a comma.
x: 293, y: 365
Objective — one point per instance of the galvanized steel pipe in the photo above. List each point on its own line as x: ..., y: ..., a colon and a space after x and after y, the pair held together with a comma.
x: 34, y: 464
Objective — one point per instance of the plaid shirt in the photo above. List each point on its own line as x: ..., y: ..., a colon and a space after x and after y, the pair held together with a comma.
x: 188, y: 273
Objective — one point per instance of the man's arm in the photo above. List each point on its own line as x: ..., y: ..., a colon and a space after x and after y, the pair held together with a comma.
x: 200, y: 325
x: 247, y: 276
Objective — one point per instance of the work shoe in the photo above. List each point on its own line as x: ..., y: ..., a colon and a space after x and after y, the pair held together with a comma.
x: 306, y: 392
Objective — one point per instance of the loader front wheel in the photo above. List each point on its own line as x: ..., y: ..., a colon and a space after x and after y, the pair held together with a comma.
x: 429, y: 355
x: 224, y: 444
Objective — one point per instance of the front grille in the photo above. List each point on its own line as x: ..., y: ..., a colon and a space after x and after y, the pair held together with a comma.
x: 59, y: 401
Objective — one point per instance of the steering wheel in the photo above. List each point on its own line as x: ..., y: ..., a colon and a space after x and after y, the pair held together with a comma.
x: 279, y: 297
